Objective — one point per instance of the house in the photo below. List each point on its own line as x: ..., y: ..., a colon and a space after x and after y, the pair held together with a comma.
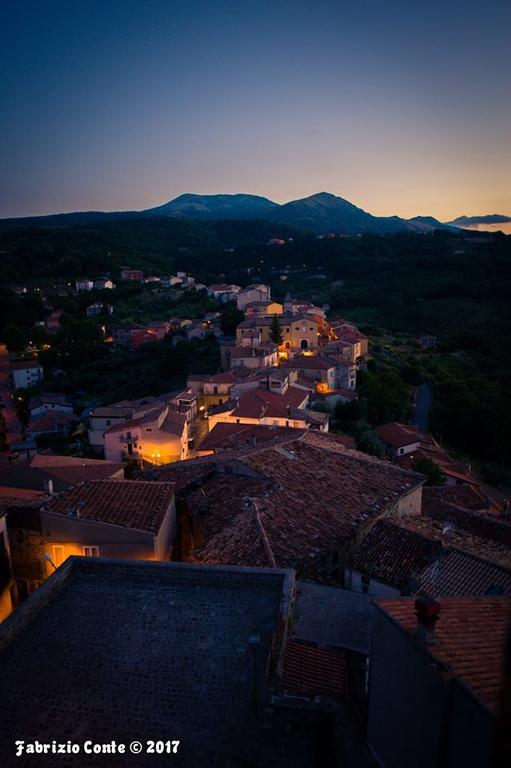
x: 264, y: 407
x: 170, y: 281
x: 398, y: 439
x: 84, y: 285
x: 183, y: 401
x: 355, y: 343
x: 345, y: 371
x: 106, y: 416
x: 208, y: 645
x: 109, y: 518
x: 131, y: 274
x: 405, y: 445
x: 436, y: 680
x: 6, y: 577
x: 159, y: 328
x: 215, y: 389
x: 299, y: 332
x: 397, y: 559
x: 154, y: 434
x: 49, y: 401
x: 256, y: 292
x: 99, y: 308
x: 261, y: 308
x: 224, y: 292
x: 103, y: 283
x: 195, y: 330
x: 127, y: 335
x: 50, y: 422
x: 303, y: 503
x: 254, y: 354
x: 47, y: 473
x: 388, y: 559
x: 26, y: 373
x: 320, y: 371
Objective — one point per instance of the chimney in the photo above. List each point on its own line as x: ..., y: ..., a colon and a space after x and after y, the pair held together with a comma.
x: 48, y: 487
x: 428, y: 612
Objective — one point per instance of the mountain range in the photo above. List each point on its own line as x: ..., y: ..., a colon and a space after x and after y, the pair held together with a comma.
x: 494, y: 222
x: 319, y: 213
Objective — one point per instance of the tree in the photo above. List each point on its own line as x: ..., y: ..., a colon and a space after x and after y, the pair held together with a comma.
x: 14, y: 338
x: 230, y: 318
x: 276, y: 331
x: 430, y: 469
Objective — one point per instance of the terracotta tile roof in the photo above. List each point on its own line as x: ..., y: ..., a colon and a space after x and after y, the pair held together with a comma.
x: 71, y: 469
x: 150, y: 415
x: 241, y: 540
x: 49, y: 420
x: 259, y: 403
x: 311, y: 671
x: 226, y: 436
x: 308, y: 362
x: 284, y: 320
x: 129, y: 503
x: 394, y: 554
x: 52, y: 398
x: 459, y: 573
x: 114, y: 411
x: 311, y: 494
x: 464, y: 496
x: 397, y: 435
x: 174, y: 423
x: 465, y: 535
x: 326, y: 440
x: 471, y: 635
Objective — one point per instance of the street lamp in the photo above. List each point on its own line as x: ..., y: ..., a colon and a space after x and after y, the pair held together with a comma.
x: 48, y: 558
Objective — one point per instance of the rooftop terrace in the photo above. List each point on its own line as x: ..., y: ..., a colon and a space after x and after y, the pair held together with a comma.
x: 122, y: 650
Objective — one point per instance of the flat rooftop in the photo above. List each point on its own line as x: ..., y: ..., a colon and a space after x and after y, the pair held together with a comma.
x: 124, y: 650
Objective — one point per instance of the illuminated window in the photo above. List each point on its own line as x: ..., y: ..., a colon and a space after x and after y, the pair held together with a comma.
x: 58, y: 555
x: 91, y: 551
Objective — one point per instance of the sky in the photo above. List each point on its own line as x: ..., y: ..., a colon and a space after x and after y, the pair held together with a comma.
x: 400, y: 107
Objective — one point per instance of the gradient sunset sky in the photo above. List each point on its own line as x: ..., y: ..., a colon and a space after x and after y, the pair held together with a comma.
x: 400, y: 107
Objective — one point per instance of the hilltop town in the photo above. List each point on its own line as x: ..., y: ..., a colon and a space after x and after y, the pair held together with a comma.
x: 259, y: 464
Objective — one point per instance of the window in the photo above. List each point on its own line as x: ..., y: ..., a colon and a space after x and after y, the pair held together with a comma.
x: 365, y: 582
x: 91, y: 551
x: 58, y: 555
x: 108, y: 422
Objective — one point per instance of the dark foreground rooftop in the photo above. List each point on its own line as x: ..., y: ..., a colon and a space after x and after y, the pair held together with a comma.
x: 112, y: 649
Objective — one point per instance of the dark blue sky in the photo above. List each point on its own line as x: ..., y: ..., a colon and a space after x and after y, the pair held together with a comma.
x: 401, y: 107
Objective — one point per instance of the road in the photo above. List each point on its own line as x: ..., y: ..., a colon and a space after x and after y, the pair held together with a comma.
x: 422, y: 400
x: 13, y: 425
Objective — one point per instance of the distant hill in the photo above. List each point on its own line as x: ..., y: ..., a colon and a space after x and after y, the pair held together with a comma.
x: 325, y: 212
x: 319, y: 213
x: 212, y: 207
x: 429, y: 224
x: 493, y: 222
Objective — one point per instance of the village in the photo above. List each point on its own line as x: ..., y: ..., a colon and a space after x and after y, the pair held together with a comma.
x: 245, y: 467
